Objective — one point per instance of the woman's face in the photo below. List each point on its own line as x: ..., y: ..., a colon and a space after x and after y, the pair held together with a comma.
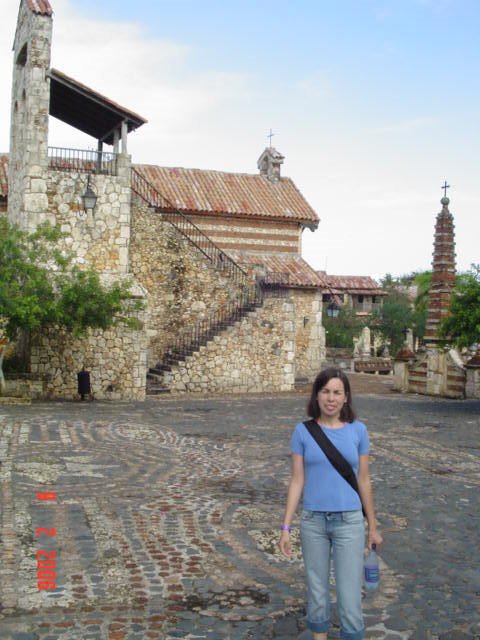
x: 331, y: 398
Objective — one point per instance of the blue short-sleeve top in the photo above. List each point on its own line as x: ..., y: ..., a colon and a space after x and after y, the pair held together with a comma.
x: 325, y: 489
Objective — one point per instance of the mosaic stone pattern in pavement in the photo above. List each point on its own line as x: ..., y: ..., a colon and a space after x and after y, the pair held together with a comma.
x: 167, y: 514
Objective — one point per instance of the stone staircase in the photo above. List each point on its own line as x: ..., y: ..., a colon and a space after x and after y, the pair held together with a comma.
x: 159, y: 377
x: 249, y: 296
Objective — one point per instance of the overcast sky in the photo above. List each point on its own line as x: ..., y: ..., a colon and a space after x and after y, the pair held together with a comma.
x: 374, y: 103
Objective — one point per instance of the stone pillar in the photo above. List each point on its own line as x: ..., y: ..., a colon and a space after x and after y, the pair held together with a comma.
x: 400, y: 376
x: 316, y: 348
x: 365, y: 343
x: 116, y: 140
x: 409, y: 340
x: 124, y: 136
x: 472, y: 387
x: 27, y: 194
x: 400, y: 369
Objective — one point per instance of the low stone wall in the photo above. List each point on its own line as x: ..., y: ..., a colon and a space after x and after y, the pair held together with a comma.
x: 434, y: 373
x: 472, y: 386
x: 116, y: 359
x: 183, y: 286
x: 254, y: 355
x: 24, y: 386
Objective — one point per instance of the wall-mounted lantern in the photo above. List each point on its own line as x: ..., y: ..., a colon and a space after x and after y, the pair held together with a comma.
x: 89, y: 198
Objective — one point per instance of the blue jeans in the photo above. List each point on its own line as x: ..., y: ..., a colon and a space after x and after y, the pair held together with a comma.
x: 341, y: 534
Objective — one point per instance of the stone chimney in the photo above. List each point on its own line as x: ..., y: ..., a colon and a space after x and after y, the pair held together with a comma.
x: 269, y: 164
x: 443, y: 273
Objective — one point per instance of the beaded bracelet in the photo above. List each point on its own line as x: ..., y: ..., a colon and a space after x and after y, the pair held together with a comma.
x: 285, y: 527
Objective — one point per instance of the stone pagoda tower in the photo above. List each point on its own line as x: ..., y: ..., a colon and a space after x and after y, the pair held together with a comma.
x: 437, y: 371
x: 443, y: 273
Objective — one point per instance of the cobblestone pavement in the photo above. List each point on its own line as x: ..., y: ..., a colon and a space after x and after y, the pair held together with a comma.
x: 167, y: 513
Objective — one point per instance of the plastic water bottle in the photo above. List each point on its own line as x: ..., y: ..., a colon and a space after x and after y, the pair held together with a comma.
x: 372, y: 572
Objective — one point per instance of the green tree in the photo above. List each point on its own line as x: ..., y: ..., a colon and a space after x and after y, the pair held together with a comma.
x: 462, y: 325
x: 341, y: 330
x: 39, y: 288
x: 394, y: 317
x: 401, y: 310
x: 422, y: 280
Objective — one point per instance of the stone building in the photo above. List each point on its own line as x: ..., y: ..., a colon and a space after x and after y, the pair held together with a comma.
x: 230, y: 303
x: 438, y: 370
x: 46, y: 185
x: 360, y: 294
x: 255, y: 222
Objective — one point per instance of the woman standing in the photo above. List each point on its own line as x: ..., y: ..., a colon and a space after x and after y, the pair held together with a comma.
x: 331, y: 521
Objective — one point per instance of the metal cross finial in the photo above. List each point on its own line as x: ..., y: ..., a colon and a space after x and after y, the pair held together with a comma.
x: 445, y: 187
x: 270, y: 135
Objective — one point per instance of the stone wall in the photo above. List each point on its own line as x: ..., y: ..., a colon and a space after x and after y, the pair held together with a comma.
x: 116, y: 359
x: 472, y: 385
x: 435, y: 373
x: 99, y: 238
x: 309, y: 343
x: 254, y: 355
x: 183, y: 285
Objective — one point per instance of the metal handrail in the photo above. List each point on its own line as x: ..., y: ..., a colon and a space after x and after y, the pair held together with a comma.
x: 250, y: 295
x: 271, y: 284
x: 180, y: 221
x: 82, y: 160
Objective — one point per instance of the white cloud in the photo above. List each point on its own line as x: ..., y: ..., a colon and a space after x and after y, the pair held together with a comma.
x: 146, y: 75
x: 215, y: 119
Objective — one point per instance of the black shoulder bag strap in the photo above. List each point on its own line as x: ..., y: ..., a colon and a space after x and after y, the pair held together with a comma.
x: 334, y: 456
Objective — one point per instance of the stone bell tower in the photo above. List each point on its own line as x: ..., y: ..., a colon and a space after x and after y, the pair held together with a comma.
x: 269, y: 164
x: 27, y: 183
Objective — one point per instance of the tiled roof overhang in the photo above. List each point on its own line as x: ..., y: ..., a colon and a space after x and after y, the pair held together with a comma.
x: 198, y: 191
x: 87, y: 110
x: 41, y: 7
x: 3, y: 175
x: 357, y: 285
x: 297, y: 272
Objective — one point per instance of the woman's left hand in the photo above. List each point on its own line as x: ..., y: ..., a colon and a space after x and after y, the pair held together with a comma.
x: 374, y: 537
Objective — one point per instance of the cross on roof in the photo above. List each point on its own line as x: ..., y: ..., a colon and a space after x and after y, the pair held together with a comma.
x: 445, y: 187
x: 270, y: 135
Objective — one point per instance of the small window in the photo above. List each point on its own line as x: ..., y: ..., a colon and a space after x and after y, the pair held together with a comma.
x: 374, y: 299
x: 360, y: 299
x: 22, y: 56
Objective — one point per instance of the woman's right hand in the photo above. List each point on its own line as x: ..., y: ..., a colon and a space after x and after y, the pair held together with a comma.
x: 284, y: 544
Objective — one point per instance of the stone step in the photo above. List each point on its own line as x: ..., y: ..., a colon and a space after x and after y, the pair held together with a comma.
x: 14, y: 400
x: 155, y: 390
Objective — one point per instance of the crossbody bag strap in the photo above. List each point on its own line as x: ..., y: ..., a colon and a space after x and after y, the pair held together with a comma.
x: 334, y: 456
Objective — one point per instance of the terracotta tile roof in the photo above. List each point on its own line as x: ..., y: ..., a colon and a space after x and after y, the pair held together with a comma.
x: 363, y: 285
x: 41, y: 7
x: 3, y: 175
x: 202, y: 191
x: 298, y: 273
